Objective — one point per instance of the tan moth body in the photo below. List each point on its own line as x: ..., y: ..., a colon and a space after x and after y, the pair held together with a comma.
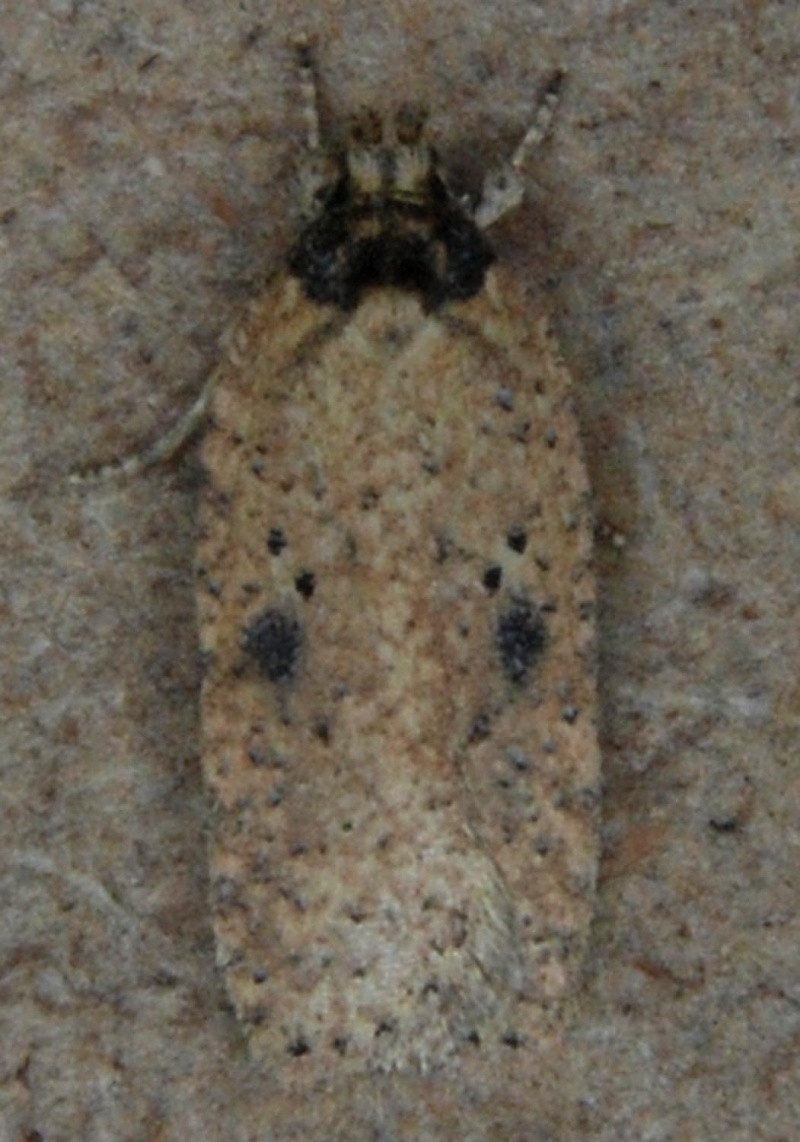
x: 397, y: 608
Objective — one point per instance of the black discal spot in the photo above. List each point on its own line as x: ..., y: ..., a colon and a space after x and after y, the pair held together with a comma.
x: 274, y: 639
x: 492, y: 577
x: 521, y: 638
x: 276, y: 540
x: 305, y: 584
x: 517, y: 540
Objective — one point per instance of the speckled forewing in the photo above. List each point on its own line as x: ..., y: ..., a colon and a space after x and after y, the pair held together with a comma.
x: 396, y: 603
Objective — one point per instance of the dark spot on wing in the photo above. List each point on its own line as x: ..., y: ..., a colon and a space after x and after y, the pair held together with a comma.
x: 305, y: 584
x: 276, y: 540
x: 520, y: 637
x: 517, y: 540
x: 274, y: 639
x: 492, y: 578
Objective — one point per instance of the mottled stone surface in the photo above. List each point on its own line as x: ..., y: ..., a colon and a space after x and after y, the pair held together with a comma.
x: 145, y: 193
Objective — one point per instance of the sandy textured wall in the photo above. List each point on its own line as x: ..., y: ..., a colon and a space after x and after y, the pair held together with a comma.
x: 146, y: 191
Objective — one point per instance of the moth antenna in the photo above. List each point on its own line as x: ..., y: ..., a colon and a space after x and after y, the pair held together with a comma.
x: 504, y: 187
x: 308, y: 89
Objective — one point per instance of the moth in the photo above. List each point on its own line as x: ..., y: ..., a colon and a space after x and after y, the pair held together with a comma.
x: 396, y: 610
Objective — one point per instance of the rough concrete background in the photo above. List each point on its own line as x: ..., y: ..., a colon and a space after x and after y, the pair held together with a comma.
x: 147, y: 154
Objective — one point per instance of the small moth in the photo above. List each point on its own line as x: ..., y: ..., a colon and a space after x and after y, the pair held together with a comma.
x: 396, y: 607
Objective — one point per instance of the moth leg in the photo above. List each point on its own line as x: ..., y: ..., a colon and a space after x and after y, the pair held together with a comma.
x: 504, y: 187
x: 171, y: 443
x: 160, y: 452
